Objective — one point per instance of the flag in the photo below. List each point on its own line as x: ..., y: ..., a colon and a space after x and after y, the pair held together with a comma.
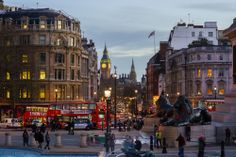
x: 151, y: 34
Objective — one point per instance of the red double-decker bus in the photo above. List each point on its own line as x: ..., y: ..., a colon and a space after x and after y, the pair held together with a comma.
x: 66, y: 111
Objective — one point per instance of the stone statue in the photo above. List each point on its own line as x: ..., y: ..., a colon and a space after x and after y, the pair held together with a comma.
x: 181, y: 113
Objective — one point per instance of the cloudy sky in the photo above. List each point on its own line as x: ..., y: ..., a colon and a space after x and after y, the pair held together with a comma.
x: 124, y: 25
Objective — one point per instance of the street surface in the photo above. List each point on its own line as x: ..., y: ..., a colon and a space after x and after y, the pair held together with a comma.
x: 72, y: 142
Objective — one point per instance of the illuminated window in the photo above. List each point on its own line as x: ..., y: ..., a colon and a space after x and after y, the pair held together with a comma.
x: 42, y: 74
x: 42, y: 24
x: 209, y: 72
x: 24, y: 93
x: 8, y: 94
x: 72, y: 41
x: 25, y: 58
x: 59, y: 24
x: 25, y: 75
x: 58, y: 42
x: 209, y: 89
x: 8, y: 76
x: 24, y: 24
x: 198, y: 72
x: 221, y: 90
x: 42, y: 93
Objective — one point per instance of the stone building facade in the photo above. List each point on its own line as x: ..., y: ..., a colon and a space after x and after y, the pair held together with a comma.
x: 43, y: 58
x: 199, y: 73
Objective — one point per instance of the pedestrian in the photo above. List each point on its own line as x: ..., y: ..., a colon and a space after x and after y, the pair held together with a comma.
x: 47, y: 139
x: 43, y: 128
x: 164, y: 146
x: 40, y: 139
x: 151, y: 143
x: 112, y: 143
x: 155, y: 128
x: 72, y: 127
x: 227, y: 136
x: 158, y: 138
x: 188, y: 132
x: 119, y: 125
x: 25, y: 138
x: 138, y: 144
x: 201, y: 146
x: 181, y: 144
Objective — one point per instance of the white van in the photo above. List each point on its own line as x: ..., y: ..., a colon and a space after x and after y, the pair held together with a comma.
x: 10, y: 123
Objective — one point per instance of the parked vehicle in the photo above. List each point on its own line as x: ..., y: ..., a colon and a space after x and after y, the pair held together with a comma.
x: 82, y: 123
x: 11, y: 123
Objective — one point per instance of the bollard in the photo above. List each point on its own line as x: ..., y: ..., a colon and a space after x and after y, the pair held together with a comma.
x: 222, y: 146
x: 32, y: 140
x: 58, y: 140
x: 83, y: 140
x: 7, y: 139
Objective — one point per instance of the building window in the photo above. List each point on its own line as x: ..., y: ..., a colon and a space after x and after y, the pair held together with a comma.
x: 72, y: 59
x: 221, y: 89
x: 42, y: 58
x: 72, y: 41
x: 209, y: 72
x: 199, y: 92
x: 42, y: 74
x: 209, y: 89
x: 84, y: 68
x: 59, y: 24
x: 24, y: 93
x: 8, y: 76
x: 25, y: 75
x: 221, y: 73
x: 198, y: 57
x: 199, y: 73
x: 78, y: 60
x: 72, y: 74
x: 24, y: 39
x: 24, y: 58
x: 193, y: 34
x: 221, y: 57
x: 42, y: 93
x: 42, y: 24
x: 59, y: 42
x: 24, y: 24
x: 208, y: 57
x: 42, y: 40
x: 59, y: 74
x: 59, y: 58
x: 210, y: 34
x: 8, y: 94
x: 200, y: 34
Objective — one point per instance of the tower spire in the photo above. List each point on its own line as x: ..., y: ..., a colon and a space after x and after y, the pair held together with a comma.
x: 132, y: 72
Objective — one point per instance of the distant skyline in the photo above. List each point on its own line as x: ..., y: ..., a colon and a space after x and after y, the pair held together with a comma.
x: 124, y: 25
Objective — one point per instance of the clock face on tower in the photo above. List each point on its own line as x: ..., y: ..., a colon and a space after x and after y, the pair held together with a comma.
x: 109, y: 66
x: 104, y: 65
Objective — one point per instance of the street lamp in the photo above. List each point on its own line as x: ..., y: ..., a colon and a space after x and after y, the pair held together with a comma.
x: 56, y: 91
x: 115, y: 75
x: 215, y: 91
x: 107, y: 94
x: 136, y: 92
x: 178, y: 93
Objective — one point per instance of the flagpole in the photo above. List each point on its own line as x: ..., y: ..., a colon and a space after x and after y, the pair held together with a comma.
x: 155, y: 43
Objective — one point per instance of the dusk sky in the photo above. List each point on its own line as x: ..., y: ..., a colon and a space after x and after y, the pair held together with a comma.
x: 124, y: 25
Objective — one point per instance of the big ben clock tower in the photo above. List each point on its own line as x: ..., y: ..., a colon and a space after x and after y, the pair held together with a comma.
x: 105, y: 65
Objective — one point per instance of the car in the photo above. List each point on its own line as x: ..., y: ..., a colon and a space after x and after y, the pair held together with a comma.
x: 83, y: 123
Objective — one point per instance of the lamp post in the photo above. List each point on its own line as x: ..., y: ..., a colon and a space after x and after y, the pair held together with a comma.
x: 136, y: 107
x: 56, y: 90
x: 215, y: 91
x: 107, y: 94
x: 115, y: 75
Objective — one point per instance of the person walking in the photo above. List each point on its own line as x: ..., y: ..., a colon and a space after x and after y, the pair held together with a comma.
x: 151, y: 143
x: 112, y: 143
x: 158, y: 138
x: 25, y: 138
x: 47, y: 139
x: 227, y: 136
x: 201, y: 146
x: 164, y: 146
x: 40, y: 139
x: 181, y: 144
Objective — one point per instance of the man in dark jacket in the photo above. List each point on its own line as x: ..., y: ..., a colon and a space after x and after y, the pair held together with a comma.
x: 138, y: 145
x: 181, y: 143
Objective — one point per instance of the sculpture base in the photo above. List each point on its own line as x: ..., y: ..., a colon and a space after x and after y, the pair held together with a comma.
x: 171, y: 133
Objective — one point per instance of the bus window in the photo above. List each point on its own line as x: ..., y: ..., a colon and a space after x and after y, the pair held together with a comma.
x: 84, y: 106
x: 92, y: 106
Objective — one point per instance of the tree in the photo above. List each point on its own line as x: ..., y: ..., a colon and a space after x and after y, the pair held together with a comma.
x: 199, y: 43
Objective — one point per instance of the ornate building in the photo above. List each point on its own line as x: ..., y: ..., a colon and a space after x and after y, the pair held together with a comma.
x: 200, y: 73
x: 43, y: 59
x: 132, y: 74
